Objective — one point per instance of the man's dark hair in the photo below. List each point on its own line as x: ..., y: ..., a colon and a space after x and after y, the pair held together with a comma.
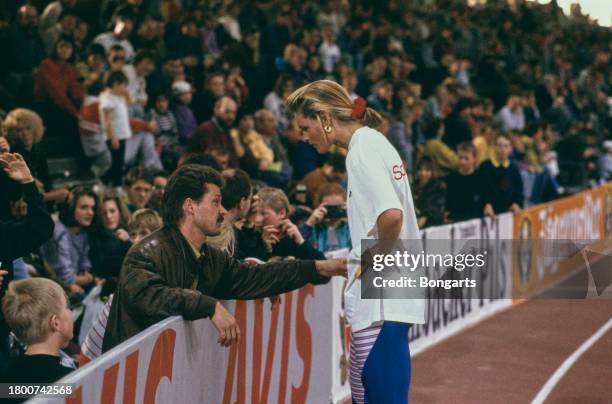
x: 203, y: 159
x: 188, y: 181
x: 138, y: 173
x: 237, y: 185
x: 66, y: 214
x: 115, y: 77
x: 337, y: 162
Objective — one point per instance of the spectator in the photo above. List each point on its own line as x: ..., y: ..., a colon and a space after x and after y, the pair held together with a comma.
x: 67, y: 253
x: 275, y: 100
x: 329, y: 50
x: 215, y: 133
x: 430, y: 194
x: 463, y: 187
x: 186, y: 122
x: 109, y: 241
x: 123, y: 25
x: 138, y: 187
x: 251, y: 148
x: 204, y: 101
x: 115, y: 122
x: 501, y: 181
x: 444, y: 157
x: 60, y: 95
x: 327, y: 227
x: 38, y: 312
x: 63, y: 28
x: 236, y: 197
x: 278, y: 173
x: 19, y: 237
x: 512, y: 116
x: 332, y: 170
x: 280, y: 236
x: 160, y: 180
x: 166, y: 139
x: 457, y: 124
x: 143, y: 222
x: 25, y: 131
x: 485, y: 142
x: 150, y: 290
x: 144, y: 64
x: 92, y: 70
x: 25, y: 47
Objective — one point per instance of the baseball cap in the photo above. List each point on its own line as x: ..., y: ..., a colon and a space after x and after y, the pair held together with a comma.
x: 181, y: 87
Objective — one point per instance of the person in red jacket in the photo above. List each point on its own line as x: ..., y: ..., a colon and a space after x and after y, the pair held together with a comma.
x: 59, y: 96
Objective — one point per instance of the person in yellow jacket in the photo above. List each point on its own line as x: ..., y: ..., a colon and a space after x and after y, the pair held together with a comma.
x: 446, y: 159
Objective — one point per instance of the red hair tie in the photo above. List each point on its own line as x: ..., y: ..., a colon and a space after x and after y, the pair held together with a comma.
x: 359, y: 107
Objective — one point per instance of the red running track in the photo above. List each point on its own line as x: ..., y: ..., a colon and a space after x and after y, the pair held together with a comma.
x: 509, y: 357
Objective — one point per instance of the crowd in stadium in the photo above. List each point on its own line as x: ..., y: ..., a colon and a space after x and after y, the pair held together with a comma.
x: 492, y: 108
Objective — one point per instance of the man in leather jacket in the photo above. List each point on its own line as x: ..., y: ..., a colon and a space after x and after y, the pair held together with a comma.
x: 174, y: 272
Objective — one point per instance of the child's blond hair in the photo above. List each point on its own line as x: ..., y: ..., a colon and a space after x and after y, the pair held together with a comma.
x: 27, y: 306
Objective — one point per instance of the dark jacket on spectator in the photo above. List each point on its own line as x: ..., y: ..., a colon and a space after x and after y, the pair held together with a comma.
x: 463, y: 196
x: 502, y: 185
x: 57, y: 82
x: 162, y: 277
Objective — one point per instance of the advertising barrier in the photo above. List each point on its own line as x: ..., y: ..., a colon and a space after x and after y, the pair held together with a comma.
x: 584, y: 216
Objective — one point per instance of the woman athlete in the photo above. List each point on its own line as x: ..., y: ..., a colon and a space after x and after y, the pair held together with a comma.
x: 379, y: 206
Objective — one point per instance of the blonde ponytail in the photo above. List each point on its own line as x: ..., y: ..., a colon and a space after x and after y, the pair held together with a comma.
x: 329, y: 96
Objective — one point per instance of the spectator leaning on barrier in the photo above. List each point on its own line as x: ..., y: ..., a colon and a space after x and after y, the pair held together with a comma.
x: 174, y: 271
x: 38, y: 312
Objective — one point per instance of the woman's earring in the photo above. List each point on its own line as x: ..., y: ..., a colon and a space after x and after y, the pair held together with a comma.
x: 327, y: 129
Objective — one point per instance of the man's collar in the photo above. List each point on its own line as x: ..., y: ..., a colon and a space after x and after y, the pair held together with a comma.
x: 497, y: 164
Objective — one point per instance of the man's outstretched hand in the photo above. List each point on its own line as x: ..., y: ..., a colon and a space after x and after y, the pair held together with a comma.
x: 226, y: 324
x: 333, y: 267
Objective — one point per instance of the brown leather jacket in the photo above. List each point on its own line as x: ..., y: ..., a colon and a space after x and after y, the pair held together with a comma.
x: 161, y: 277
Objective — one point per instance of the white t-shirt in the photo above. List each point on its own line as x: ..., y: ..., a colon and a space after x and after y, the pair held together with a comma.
x: 377, y: 182
x: 121, y: 119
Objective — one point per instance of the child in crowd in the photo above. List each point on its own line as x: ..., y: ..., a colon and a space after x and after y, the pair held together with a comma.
x: 115, y: 120
x: 429, y: 194
x: 143, y: 222
x: 463, y: 189
x: 500, y: 180
x: 185, y: 119
x: 166, y: 140
x: 38, y: 313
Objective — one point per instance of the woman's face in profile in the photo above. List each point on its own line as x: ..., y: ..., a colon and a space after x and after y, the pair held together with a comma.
x: 312, y: 132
